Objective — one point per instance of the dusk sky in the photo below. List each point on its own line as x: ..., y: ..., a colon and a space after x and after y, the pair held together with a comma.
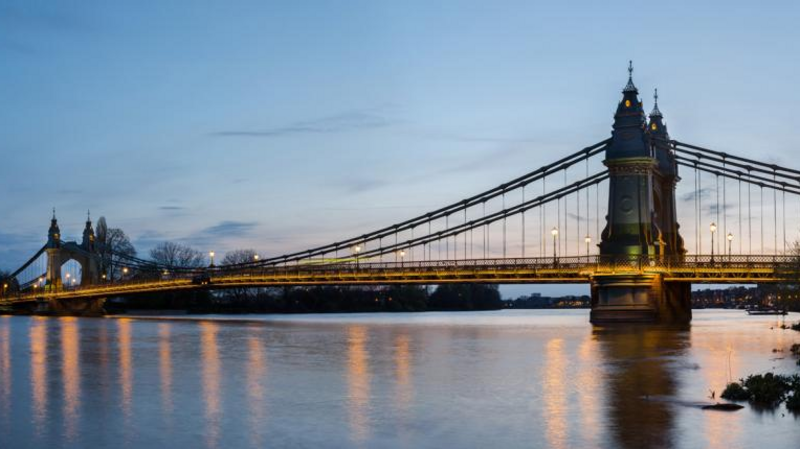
x: 283, y: 125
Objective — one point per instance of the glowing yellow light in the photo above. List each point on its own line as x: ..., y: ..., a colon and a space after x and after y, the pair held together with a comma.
x: 653, y: 127
x: 627, y: 103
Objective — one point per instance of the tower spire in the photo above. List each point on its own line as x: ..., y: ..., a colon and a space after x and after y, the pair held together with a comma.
x: 655, y: 112
x: 630, y: 87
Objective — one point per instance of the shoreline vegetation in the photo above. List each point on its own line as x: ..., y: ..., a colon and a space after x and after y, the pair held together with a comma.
x: 769, y: 390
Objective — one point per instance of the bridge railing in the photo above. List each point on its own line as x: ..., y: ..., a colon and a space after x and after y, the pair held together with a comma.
x: 782, y: 266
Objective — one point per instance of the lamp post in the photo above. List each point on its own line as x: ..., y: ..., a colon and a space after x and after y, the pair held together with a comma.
x: 554, y: 232
x: 211, y: 256
x: 588, y: 240
x: 730, y: 243
x: 255, y: 257
x: 402, y: 254
x: 713, y: 229
x: 357, y: 249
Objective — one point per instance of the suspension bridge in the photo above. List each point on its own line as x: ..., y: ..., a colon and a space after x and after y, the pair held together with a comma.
x: 547, y: 226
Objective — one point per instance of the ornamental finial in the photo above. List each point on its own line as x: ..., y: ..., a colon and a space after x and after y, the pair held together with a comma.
x: 630, y: 87
x: 656, y: 112
x: 54, y: 213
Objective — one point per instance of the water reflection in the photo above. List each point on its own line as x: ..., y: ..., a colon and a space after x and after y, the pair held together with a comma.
x: 211, y: 380
x: 5, y: 373
x: 358, y: 380
x: 165, y: 367
x: 404, y: 394
x: 639, y: 382
x: 445, y: 380
x: 70, y: 374
x: 256, y: 374
x: 38, y: 345
x: 125, y: 366
x: 719, y: 362
x: 588, y: 384
x: 555, y: 393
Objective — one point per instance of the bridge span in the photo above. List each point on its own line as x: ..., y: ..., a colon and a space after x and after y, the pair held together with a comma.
x: 606, y: 215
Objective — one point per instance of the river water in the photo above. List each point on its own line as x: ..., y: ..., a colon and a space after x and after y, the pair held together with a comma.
x: 493, y: 379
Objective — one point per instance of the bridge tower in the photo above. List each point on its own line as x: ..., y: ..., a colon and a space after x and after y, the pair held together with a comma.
x: 641, y: 223
x: 60, y: 252
x: 53, y: 250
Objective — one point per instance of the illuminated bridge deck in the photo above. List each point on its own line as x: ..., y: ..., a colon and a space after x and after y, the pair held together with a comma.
x: 575, y: 270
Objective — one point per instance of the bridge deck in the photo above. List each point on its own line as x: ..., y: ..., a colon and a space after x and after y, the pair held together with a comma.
x: 693, y: 269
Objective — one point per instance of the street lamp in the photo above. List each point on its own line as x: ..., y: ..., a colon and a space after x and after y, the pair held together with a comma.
x: 588, y: 240
x: 357, y: 249
x: 211, y: 256
x: 554, y: 232
x: 730, y: 242
x: 255, y: 257
x: 713, y: 229
x: 402, y: 254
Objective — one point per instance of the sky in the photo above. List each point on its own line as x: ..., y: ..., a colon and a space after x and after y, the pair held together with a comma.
x: 282, y: 125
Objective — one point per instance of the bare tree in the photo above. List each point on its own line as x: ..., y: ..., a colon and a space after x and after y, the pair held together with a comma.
x: 236, y: 257
x: 112, y: 245
x: 239, y: 256
x: 177, y: 255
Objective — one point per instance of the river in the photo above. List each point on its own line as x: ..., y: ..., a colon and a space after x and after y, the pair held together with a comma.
x: 500, y: 379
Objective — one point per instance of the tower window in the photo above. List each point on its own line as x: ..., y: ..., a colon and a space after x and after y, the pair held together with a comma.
x: 627, y: 103
x: 653, y: 127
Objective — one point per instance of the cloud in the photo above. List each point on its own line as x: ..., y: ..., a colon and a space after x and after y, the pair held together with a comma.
x: 343, y: 122
x: 171, y: 208
x: 691, y: 196
x: 230, y: 229
x: 716, y: 208
x: 483, y: 139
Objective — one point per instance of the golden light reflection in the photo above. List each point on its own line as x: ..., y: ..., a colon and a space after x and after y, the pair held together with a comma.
x: 38, y: 342
x: 5, y: 368
x: 125, y: 364
x: 589, y: 387
x: 165, y: 366
x: 402, y: 361
x: 720, y: 363
x: 256, y: 375
x: 70, y: 374
x: 555, y: 394
x: 211, y: 381
x: 358, y: 377
x: 102, y: 348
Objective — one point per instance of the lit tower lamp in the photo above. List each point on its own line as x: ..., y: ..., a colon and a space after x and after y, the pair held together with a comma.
x: 554, y: 233
x: 730, y: 243
x: 713, y: 229
x: 357, y: 250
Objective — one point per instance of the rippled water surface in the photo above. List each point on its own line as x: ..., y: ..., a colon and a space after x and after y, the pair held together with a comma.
x: 493, y: 379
